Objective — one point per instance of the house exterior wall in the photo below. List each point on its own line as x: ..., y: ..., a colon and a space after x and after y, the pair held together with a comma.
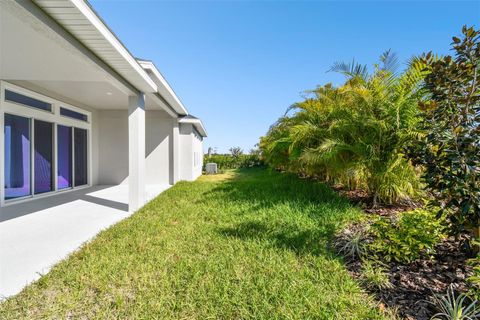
x: 167, y: 144
x: 113, y: 146
x: 191, y: 153
x: 186, y: 157
x: 197, y: 148
x: 158, y: 128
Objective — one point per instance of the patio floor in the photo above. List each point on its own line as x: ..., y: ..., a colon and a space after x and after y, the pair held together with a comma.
x: 37, y: 234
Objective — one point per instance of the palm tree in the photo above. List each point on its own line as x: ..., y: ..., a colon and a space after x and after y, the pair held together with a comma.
x: 236, y: 151
x: 354, y: 134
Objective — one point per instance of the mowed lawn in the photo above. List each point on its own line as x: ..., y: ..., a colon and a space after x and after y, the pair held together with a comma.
x: 248, y: 244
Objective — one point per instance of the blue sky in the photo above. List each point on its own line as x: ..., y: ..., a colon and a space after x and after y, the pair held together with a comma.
x: 239, y: 65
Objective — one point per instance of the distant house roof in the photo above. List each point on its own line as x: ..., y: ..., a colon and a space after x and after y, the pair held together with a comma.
x: 196, y: 122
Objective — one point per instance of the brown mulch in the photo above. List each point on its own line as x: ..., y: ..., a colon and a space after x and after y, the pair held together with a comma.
x: 365, y: 201
x: 414, y: 284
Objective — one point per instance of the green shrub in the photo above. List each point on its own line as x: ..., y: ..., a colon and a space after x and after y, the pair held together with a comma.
x: 374, y: 275
x: 448, y: 147
x: 228, y: 161
x: 474, y: 279
x: 408, y: 236
x: 354, y: 134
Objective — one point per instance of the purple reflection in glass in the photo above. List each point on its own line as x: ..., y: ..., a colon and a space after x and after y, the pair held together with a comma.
x: 64, y: 157
x: 43, y: 156
x: 80, y: 138
x: 17, y: 156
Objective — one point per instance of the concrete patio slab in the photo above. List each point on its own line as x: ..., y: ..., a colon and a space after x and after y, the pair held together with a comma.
x: 37, y: 234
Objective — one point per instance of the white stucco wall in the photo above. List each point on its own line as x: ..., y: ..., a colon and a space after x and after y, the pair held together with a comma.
x: 186, y: 155
x: 113, y: 147
x: 157, y: 130
x: 197, y: 149
x: 190, y: 144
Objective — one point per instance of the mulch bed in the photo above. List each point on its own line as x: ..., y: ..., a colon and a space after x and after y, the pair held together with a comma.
x: 365, y: 201
x: 414, y: 284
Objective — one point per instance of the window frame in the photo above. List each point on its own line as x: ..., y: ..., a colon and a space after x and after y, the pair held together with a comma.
x: 28, y: 95
x: 7, y: 107
x: 77, y: 110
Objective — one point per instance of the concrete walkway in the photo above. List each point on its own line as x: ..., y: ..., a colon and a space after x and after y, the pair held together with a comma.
x: 37, y: 234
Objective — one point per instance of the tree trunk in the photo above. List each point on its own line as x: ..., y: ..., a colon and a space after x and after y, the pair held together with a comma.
x: 375, y: 200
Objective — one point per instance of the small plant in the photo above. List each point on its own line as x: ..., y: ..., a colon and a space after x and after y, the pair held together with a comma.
x: 408, y: 236
x: 451, y: 308
x: 474, y: 279
x: 351, y: 242
x: 374, y: 275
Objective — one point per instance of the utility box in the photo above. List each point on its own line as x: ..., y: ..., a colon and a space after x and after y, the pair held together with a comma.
x: 211, y: 168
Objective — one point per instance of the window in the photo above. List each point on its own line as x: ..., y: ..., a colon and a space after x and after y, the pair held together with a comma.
x: 80, y: 152
x: 27, y: 101
x: 43, y: 156
x: 196, y: 159
x: 73, y: 114
x: 17, y: 156
x: 42, y: 152
x: 64, y: 157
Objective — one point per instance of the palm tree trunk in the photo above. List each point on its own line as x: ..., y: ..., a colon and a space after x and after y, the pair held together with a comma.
x: 375, y: 200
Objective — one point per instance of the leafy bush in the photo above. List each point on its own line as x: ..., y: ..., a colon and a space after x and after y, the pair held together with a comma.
x: 354, y: 134
x: 448, y: 146
x: 374, y: 275
x: 227, y: 161
x: 407, y: 237
x: 474, y: 279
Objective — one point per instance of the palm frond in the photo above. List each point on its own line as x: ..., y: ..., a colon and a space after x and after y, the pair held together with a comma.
x: 389, y: 60
x: 351, y: 70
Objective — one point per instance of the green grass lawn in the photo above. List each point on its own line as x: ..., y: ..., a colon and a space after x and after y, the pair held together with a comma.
x: 247, y: 244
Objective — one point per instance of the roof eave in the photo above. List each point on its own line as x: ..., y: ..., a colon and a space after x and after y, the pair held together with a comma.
x: 112, y: 51
x: 162, y: 83
x: 197, y: 123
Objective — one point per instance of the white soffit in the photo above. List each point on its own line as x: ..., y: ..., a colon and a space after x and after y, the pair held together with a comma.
x: 78, y: 18
x: 160, y: 102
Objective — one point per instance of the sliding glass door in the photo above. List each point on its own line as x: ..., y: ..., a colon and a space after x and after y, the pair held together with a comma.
x: 80, y: 153
x: 43, y: 156
x: 71, y: 157
x: 17, y: 156
x: 46, y: 144
x: 64, y: 157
